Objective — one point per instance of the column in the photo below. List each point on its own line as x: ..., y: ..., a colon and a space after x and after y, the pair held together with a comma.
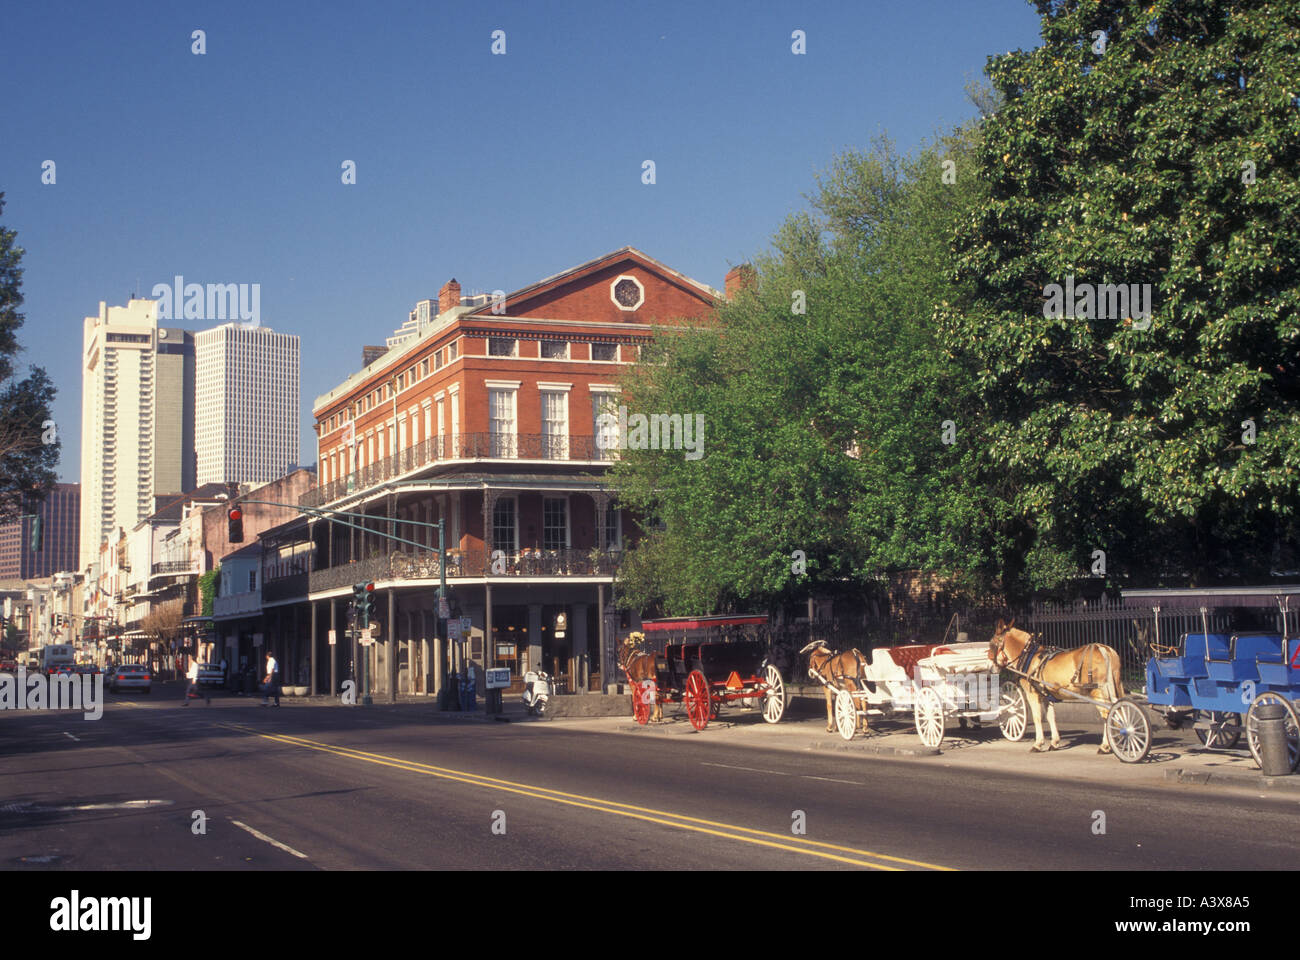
x: 334, y: 650
x: 311, y: 651
x: 579, y: 630
x: 392, y: 645
x: 534, y: 636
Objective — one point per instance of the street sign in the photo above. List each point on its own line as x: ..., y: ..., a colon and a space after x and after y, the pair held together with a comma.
x: 498, y: 678
x: 444, y: 608
x: 374, y: 631
x: 466, y: 625
x: 453, y: 629
x: 333, y: 637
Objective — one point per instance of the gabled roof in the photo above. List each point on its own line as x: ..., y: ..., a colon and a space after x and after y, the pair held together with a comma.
x: 703, y: 291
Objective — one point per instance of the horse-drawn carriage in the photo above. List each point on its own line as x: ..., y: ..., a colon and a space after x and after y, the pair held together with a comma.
x: 703, y: 662
x: 1218, y: 679
x: 932, y: 682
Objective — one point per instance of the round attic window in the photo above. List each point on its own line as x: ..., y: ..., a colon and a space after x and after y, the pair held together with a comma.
x: 627, y: 293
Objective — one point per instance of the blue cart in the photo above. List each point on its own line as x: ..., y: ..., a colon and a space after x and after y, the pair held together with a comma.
x: 1217, y: 678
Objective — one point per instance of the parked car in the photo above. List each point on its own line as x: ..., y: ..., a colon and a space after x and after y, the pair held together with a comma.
x: 210, y: 675
x: 130, y: 676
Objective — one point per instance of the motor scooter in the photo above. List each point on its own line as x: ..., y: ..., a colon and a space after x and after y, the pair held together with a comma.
x: 537, y: 691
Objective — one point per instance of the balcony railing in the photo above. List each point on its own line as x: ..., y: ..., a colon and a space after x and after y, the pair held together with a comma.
x: 250, y: 602
x: 469, y: 563
x: 173, y: 566
x: 465, y: 446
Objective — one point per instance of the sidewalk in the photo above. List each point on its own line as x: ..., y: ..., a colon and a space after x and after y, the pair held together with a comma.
x: 1176, y: 757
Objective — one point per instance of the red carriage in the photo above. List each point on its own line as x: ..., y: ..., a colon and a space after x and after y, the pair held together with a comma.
x: 704, y: 662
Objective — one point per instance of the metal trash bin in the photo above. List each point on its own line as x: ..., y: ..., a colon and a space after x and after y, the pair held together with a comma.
x: 1274, y: 754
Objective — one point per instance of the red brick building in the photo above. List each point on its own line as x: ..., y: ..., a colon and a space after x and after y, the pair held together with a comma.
x: 485, y: 417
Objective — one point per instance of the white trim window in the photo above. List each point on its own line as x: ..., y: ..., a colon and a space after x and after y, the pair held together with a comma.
x: 555, y: 424
x: 505, y: 526
x: 455, y: 422
x: 555, y: 523
x: 605, y: 434
x: 554, y: 350
x: 442, y: 447
x: 502, y: 404
x: 611, y: 530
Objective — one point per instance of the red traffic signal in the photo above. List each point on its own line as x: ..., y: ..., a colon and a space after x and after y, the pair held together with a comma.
x: 235, y: 518
x: 370, y: 588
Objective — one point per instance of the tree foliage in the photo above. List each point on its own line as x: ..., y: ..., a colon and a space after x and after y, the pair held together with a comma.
x: 1167, y: 157
x: 822, y: 439
x: 29, y: 449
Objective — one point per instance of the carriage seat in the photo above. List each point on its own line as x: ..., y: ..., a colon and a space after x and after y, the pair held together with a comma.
x: 905, y: 658
x: 1244, y: 663
x: 1192, y: 663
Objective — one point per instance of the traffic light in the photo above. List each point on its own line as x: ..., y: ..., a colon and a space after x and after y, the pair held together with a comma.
x: 236, y: 520
x: 364, y: 601
x: 38, y: 534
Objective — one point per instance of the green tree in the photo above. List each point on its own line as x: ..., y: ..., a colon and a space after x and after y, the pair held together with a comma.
x: 1164, y: 153
x: 29, y: 448
x: 823, y: 390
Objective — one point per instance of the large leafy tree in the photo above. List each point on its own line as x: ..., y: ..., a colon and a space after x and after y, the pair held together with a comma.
x: 823, y: 390
x: 1165, y: 153
x: 29, y: 448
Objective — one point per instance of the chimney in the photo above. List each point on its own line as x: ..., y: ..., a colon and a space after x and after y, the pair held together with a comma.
x: 449, y: 296
x: 738, y: 277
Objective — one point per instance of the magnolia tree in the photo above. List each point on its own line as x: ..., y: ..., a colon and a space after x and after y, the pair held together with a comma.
x: 1127, y: 294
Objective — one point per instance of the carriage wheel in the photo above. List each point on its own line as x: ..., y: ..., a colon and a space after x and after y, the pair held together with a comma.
x: 846, y: 715
x: 774, y: 697
x: 1224, y: 730
x: 1292, y: 727
x: 644, y: 695
x: 1128, y: 730
x: 1013, y: 712
x: 698, y: 705
x: 929, y: 717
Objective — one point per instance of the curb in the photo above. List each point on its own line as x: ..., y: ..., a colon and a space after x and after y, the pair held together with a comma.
x: 866, y: 746
x: 1204, y: 778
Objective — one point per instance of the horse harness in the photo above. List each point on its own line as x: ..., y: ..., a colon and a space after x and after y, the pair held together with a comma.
x: 838, y: 677
x: 1033, y: 660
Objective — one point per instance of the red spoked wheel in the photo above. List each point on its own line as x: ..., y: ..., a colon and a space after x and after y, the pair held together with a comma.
x: 698, y: 702
x: 643, y: 698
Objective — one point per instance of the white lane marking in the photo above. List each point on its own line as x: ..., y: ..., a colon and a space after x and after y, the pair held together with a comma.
x: 856, y: 783
x: 23, y: 807
x: 274, y: 843
x: 124, y: 805
x: 751, y: 769
x: 66, y: 734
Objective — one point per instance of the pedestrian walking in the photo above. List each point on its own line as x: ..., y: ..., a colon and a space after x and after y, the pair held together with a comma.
x: 272, y: 679
x: 192, y: 683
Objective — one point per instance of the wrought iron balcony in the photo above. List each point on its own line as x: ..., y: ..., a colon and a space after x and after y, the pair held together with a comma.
x: 465, y: 446
x: 469, y: 563
x: 173, y: 566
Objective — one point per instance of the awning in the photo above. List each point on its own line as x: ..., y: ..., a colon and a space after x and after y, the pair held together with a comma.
x: 1208, y: 597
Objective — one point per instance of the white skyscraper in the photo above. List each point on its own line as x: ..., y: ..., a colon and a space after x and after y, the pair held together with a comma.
x: 137, y: 418
x: 246, y: 404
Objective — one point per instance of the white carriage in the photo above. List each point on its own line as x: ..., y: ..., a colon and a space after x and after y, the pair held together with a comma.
x: 935, y: 683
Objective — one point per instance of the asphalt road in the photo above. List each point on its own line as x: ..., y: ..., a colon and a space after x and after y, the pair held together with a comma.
x: 311, y: 787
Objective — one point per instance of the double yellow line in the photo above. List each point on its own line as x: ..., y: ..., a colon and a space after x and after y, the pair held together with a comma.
x: 793, y: 844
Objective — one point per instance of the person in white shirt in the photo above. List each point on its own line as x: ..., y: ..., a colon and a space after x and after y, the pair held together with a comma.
x: 272, y: 680
x: 192, y: 677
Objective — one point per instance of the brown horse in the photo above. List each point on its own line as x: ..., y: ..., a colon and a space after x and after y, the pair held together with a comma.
x: 1092, y: 671
x: 639, y: 666
x: 838, y: 671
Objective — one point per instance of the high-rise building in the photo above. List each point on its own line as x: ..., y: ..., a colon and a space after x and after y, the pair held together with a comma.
x: 246, y: 393
x: 60, y: 515
x: 137, y: 418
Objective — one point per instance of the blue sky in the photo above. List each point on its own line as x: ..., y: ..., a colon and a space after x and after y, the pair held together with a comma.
x: 497, y: 170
